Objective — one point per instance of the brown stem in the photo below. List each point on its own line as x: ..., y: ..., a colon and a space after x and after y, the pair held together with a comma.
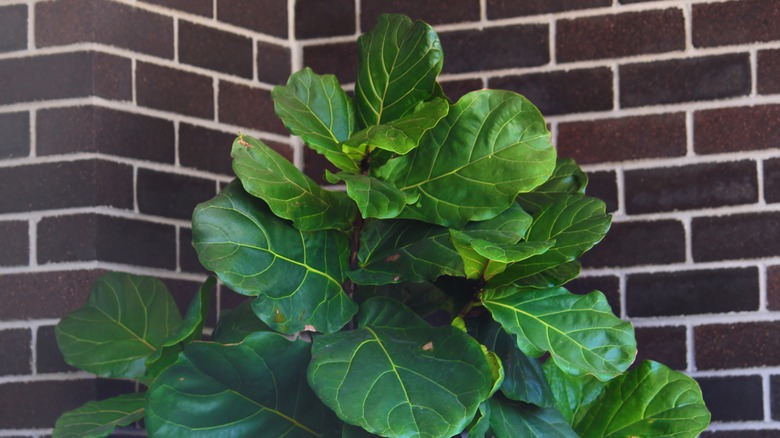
x: 474, y: 299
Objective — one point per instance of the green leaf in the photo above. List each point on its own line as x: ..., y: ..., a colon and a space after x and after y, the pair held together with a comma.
x: 396, y: 376
x: 480, y: 426
x: 350, y: 431
x: 399, y: 62
x: 566, y: 178
x: 254, y: 388
x: 236, y: 324
x: 524, y: 379
x: 99, y: 418
x: 649, y: 401
x: 511, y: 419
x: 401, y: 135
x: 483, y: 259
x: 296, y: 275
x: 424, y: 299
x: 126, y: 318
x: 536, y: 273
x: 573, y: 394
x: 190, y: 329
x: 508, y: 227
x: 374, y: 198
x: 288, y: 192
x: 492, y: 146
x: 316, y: 109
x: 580, y: 331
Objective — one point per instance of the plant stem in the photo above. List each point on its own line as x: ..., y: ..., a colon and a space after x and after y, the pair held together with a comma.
x: 474, y: 299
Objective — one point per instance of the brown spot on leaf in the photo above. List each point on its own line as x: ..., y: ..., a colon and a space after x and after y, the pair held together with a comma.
x: 309, y: 328
x: 393, y: 257
x: 428, y: 346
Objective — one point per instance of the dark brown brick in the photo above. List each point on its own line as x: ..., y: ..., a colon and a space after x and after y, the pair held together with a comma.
x: 171, y: 195
x: 15, y: 351
x: 48, y: 358
x: 199, y: 7
x: 456, y: 11
x: 495, y: 48
x: 736, y: 129
x: 747, y: 433
x: 317, y: 19
x: 662, y: 344
x: 97, y: 21
x: 692, y: 292
x: 772, y: 180
x: 183, y: 291
x: 188, y: 258
x: 13, y: 28
x: 512, y: 8
x: 621, y: 35
x: 607, y: 284
x: 562, y: 92
x: 775, y: 397
x: 768, y: 71
x: 639, y: 243
x: 733, y: 398
x: 773, y: 287
x: 44, y: 294
x: 738, y: 236
x: 15, y: 243
x: 79, y: 74
x: 456, y: 89
x: 86, y: 237
x: 315, y: 165
x: 65, y: 185
x: 603, y: 185
x: 340, y: 59
x: 629, y: 138
x: 684, y: 80
x: 691, y: 187
x: 248, y: 107
x: 215, y: 49
x: 266, y: 16
x: 735, y: 22
x: 273, y: 63
x: 15, y: 132
x: 95, y: 129
x: 174, y: 90
x: 740, y: 345
x: 205, y: 149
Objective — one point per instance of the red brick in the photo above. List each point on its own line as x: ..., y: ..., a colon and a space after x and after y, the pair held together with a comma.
x: 511, y: 8
x: 738, y: 236
x: 248, y: 107
x: 769, y: 71
x: 15, y: 243
x: 628, y: 138
x: 456, y: 11
x: 318, y: 19
x: 340, y: 59
x: 13, y: 28
x: 39, y: 295
x: 736, y: 129
x: 215, y: 49
x: 174, y: 90
x: 621, y: 35
x: 105, y: 22
x: 739, y: 345
x: 735, y: 22
x: 199, y: 7
x: 661, y: 242
x: 495, y: 48
x: 266, y: 16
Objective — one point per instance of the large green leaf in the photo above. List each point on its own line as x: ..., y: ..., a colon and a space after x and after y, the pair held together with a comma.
x: 316, y: 109
x: 236, y: 324
x: 399, y: 62
x: 537, y: 273
x: 288, y: 192
x: 483, y: 259
x: 375, y: 198
x: 190, y: 329
x: 581, y: 333
x: 126, y: 318
x: 397, y: 376
x: 254, y: 388
x: 511, y: 419
x: 492, y: 146
x: 296, y: 275
x: 649, y: 401
x: 573, y: 394
x: 99, y: 418
x: 566, y: 178
x: 424, y: 299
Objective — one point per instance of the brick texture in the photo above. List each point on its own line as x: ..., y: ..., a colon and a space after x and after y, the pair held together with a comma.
x: 772, y: 180
x: 773, y: 287
x: 495, y: 48
x: 639, y: 243
x: 456, y: 11
x: 769, y: 71
x: 736, y: 129
x: 206, y: 149
x: 214, y: 49
x: 245, y: 106
x: 13, y: 28
x: 511, y: 8
x: 735, y: 22
x: 318, y: 19
x: 662, y: 344
x: 15, y: 132
x: 739, y: 236
x: 199, y: 7
x: 44, y: 294
x: 723, y: 345
x: 273, y: 63
x: 48, y: 356
x: 720, y: 394
x: 15, y: 242
x: 15, y: 351
x: 266, y: 16
x: 456, y: 89
x: 338, y: 59
x: 608, y: 285
x: 603, y: 185
x: 174, y: 90
x: 169, y: 195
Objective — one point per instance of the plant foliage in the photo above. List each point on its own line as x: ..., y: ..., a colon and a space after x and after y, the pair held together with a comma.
x: 426, y: 299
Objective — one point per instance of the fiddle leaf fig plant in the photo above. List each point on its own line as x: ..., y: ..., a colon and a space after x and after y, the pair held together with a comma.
x: 424, y: 298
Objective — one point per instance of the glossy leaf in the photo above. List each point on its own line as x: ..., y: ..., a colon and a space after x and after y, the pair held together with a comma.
x: 566, y: 178
x: 99, y: 418
x: 579, y: 331
x: 424, y: 299
x: 397, y: 376
x: 492, y: 146
x: 316, y: 109
x: 511, y: 419
x: 573, y: 394
x: 649, y: 401
x: 288, y: 192
x: 483, y: 259
x: 126, y: 318
x: 297, y: 276
x: 537, y: 273
x: 236, y: 324
x: 398, y: 65
x: 254, y: 388
x: 480, y: 426
x: 401, y: 135
x: 190, y: 329
x: 374, y: 198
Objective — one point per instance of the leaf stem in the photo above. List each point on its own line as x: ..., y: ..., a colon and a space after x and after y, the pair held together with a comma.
x: 474, y: 301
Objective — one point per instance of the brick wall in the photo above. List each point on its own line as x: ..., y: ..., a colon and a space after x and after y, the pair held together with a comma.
x: 116, y: 118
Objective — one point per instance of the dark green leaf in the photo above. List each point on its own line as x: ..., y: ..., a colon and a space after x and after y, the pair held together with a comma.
x: 566, y: 178
x: 350, y: 431
x: 297, y: 276
x: 424, y: 299
x: 508, y: 227
x: 480, y: 426
x: 537, y: 273
x: 254, y: 388
x: 573, y: 394
x: 288, y: 192
x: 648, y: 401
x: 126, y: 318
x: 316, y: 109
x: 395, y: 375
x: 374, y: 198
x: 401, y: 135
x: 580, y: 331
x: 399, y: 62
x: 511, y: 419
x: 99, y: 418
x: 492, y: 146
x: 236, y: 324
